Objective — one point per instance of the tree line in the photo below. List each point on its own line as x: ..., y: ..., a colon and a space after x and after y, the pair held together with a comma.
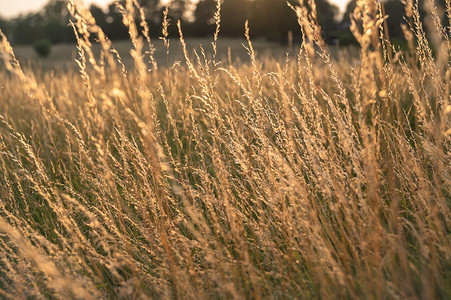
x: 270, y: 19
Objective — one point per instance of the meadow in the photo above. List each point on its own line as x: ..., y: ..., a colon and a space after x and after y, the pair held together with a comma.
x: 198, y: 174
x: 62, y: 56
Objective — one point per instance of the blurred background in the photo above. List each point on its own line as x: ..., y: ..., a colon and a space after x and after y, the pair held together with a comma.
x: 35, y: 27
x: 27, y: 21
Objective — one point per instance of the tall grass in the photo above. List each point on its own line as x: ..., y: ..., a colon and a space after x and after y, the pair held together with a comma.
x: 291, y: 177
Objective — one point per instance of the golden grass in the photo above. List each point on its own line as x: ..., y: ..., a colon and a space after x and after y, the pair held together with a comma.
x: 279, y: 178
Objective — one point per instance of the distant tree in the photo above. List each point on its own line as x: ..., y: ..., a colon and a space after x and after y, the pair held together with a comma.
x: 204, y: 17
x: 55, y: 17
x: 42, y: 47
x: 152, y: 9
x: 4, y: 25
x: 178, y: 9
x: 27, y: 29
x: 234, y: 15
x: 327, y: 16
x: 348, y: 11
x: 395, y: 11
x: 112, y: 25
x: 56, y: 10
x: 100, y: 16
x: 274, y: 19
x: 57, y: 32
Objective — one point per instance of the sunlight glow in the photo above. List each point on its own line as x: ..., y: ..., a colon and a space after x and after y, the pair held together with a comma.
x: 10, y: 9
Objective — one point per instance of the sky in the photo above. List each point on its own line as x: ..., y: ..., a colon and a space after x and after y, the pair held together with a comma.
x: 12, y: 8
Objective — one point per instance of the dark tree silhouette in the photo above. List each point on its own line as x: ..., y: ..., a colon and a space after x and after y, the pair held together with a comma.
x: 152, y: 9
x: 348, y: 11
x: 395, y: 11
x: 178, y: 9
x: 56, y: 10
x: 327, y: 14
x: 234, y: 14
x: 274, y: 19
x: 268, y: 18
x: 204, y: 17
x: 4, y: 26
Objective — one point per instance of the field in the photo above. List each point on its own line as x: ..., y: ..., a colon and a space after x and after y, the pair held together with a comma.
x: 63, y: 55
x: 199, y: 173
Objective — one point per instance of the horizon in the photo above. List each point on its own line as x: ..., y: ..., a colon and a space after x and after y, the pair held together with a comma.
x: 12, y: 9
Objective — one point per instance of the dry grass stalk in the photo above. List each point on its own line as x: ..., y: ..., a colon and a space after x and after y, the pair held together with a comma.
x: 308, y: 177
